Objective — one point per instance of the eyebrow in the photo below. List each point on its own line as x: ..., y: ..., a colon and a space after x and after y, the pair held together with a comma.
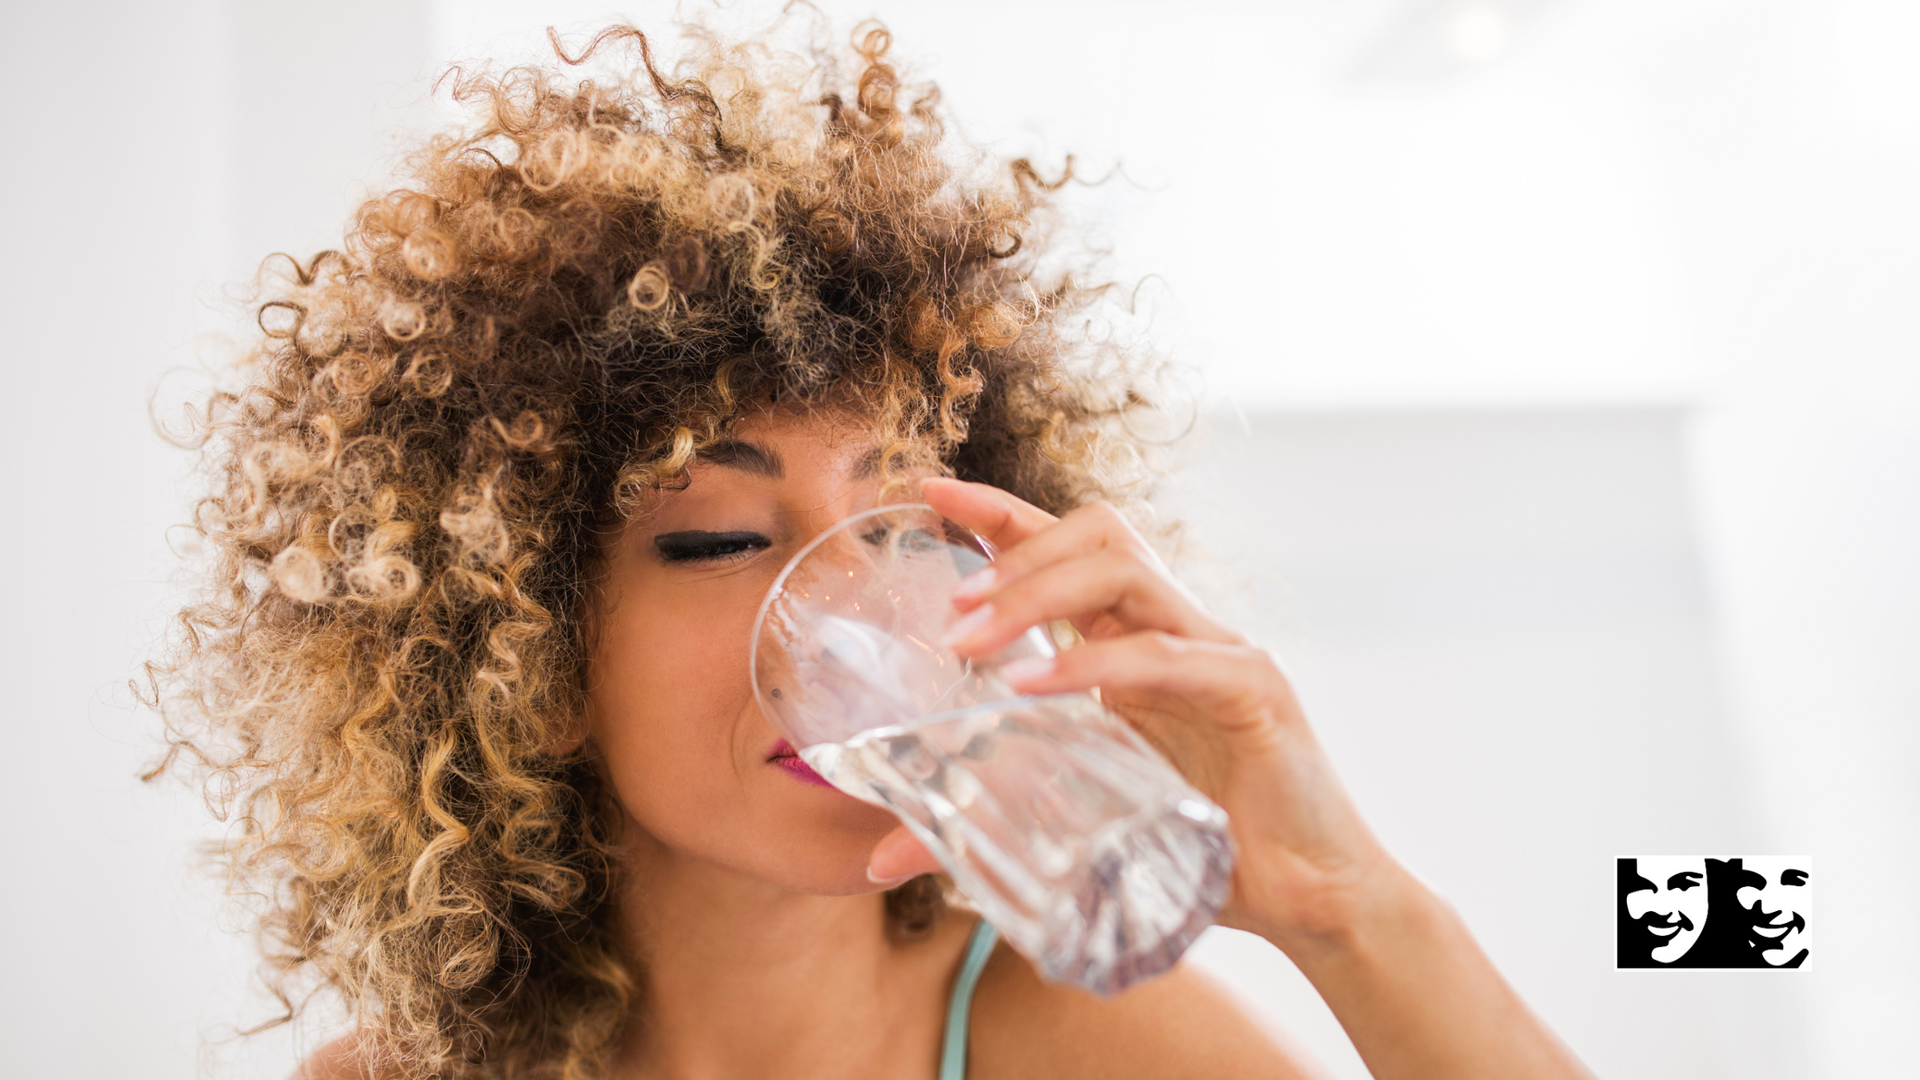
x: 747, y: 457
x: 757, y: 460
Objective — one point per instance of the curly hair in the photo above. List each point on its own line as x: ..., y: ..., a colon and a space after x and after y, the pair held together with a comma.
x: 554, y: 312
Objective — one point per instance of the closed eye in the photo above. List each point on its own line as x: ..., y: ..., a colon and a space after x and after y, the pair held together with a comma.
x: 909, y: 540
x: 697, y: 546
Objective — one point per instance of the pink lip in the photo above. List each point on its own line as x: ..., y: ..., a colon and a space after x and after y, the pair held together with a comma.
x: 785, y: 758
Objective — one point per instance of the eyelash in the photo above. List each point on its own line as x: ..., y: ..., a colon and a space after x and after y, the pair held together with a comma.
x: 685, y: 547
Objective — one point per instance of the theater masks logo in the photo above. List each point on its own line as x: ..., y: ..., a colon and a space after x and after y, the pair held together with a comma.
x: 1689, y: 911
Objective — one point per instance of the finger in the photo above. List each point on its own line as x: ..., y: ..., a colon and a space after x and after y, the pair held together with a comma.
x: 1003, y: 519
x: 1238, y: 685
x: 1031, y: 538
x: 1115, y: 583
x: 899, y: 856
x: 1087, y: 529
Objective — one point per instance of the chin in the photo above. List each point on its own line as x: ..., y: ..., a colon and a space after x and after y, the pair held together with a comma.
x: 820, y: 857
x: 819, y: 871
x: 794, y: 835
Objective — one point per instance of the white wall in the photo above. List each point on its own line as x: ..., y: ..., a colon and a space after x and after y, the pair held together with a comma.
x: 107, y: 214
x: 1499, y: 622
x: 1580, y: 399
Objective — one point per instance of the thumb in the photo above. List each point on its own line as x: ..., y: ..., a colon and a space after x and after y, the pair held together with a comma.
x: 897, y: 857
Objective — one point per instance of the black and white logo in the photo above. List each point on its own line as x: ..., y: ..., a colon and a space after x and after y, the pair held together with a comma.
x: 1689, y: 911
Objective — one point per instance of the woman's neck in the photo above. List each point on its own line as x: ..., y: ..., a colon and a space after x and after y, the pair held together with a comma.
x: 741, y: 978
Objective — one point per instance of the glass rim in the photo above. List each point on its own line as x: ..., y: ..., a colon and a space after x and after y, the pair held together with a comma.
x: 780, y: 582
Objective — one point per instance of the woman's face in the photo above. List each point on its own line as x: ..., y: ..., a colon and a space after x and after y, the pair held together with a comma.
x: 691, y: 757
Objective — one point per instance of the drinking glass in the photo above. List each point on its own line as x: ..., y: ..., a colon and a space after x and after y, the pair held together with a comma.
x: 1078, y: 841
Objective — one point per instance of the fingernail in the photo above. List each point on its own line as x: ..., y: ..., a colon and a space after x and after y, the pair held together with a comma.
x: 965, y: 625
x: 974, y: 584
x: 1030, y: 669
x: 887, y: 881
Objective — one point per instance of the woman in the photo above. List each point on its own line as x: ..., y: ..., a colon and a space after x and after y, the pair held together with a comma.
x: 490, y: 522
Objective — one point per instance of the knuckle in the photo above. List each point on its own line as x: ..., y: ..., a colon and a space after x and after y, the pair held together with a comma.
x: 1163, y: 646
x: 1103, y: 516
x: 1265, y: 666
x: 1118, y: 563
x: 1126, y: 564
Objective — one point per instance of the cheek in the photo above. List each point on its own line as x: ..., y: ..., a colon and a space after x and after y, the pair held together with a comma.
x: 685, y: 745
x: 1639, y: 904
x: 672, y: 714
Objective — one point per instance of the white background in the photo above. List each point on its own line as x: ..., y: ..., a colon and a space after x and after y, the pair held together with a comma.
x: 1565, y: 441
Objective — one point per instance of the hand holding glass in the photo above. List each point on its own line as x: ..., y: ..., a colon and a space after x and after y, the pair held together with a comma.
x: 1090, y: 853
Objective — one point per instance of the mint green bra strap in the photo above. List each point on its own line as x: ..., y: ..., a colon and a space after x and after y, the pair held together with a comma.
x: 953, y: 1049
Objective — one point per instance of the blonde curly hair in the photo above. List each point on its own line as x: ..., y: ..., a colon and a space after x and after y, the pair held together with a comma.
x: 555, y: 312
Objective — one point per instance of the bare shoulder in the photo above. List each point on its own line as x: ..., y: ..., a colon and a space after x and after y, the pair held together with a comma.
x: 1183, y: 1023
